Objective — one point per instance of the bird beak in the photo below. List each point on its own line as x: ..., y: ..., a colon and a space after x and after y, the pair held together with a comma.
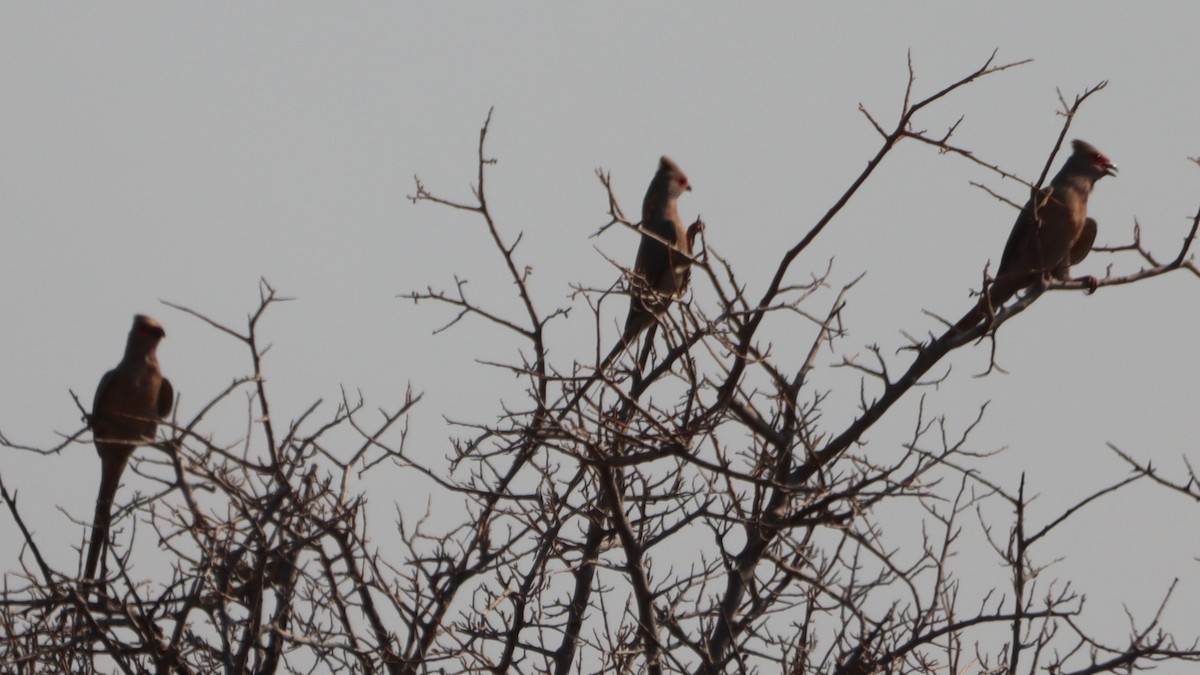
x: 1110, y: 170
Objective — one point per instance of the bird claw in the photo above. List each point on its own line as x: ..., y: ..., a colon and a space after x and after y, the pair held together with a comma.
x: 1090, y: 284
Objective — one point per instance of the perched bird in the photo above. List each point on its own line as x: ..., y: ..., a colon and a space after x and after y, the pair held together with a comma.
x: 1052, y: 233
x: 664, y: 258
x: 129, y: 402
x: 663, y: 265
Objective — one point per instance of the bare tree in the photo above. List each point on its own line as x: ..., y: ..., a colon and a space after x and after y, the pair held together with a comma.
x: 695, y: 514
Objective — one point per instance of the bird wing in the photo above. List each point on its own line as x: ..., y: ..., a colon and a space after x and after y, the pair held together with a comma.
x: 1083, y: 245
x: 166, y: 398
x: 102, y: 391
x: 1023, y: 232
x: 654, y: 259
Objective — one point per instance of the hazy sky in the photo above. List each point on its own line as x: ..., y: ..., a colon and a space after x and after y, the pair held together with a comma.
x: 182, y: 151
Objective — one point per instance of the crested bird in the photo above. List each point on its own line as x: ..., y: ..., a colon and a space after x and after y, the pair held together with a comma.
x: 130, y: 401
x: 662, y: 268
x: 1052, y: 233
x: 664, y: 258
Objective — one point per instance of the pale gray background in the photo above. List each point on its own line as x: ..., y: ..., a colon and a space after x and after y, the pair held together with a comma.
x: 182, y: 151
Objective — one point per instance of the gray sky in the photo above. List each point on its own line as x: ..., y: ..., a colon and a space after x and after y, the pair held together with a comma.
x: 181, y: 152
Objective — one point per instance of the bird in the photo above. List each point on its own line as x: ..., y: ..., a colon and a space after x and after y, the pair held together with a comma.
x: 662, y: 268
x: 1052, y: 233
x: 129, y: 402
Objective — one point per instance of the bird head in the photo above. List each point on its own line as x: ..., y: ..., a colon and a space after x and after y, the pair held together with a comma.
x: 146, y: 330
x: 1090, y: 161
x: 675, y: 179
